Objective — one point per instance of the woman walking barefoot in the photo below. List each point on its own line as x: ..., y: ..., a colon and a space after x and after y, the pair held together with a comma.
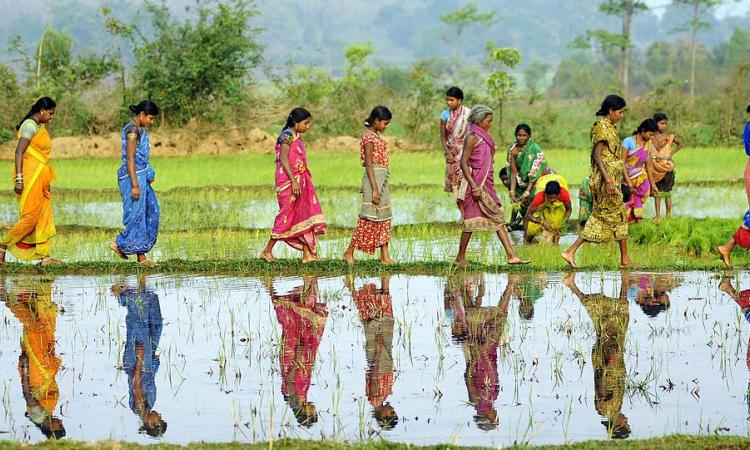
x: 140, y: 210
x: 477, y: 196
x: 373, y: 229
x: 300, y: 217
x: 29, y: 238
x: 607, y: 220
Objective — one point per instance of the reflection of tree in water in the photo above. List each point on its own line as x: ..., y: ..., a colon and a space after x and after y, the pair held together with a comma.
x: 30, y: 300
x: 376, y: 313
x: 651, y: 292
x: 610, y: 317
x: 302, y: 321
x: 479, y: 329
x: 742, y: 298
x: 140, y: 362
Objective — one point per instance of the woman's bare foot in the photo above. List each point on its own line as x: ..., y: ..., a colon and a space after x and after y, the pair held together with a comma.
x: 570, y: 259
x: 724, y: 253
x: 386, y: 261
x: 461, y: 262
x: 113, y: 246
x: 50, y: 262
x: 629, y: 265
x: 309, y: 259
x: 148, y: 263
x: 349, y: 257
x: 516, y: 261
x: 268, y: 256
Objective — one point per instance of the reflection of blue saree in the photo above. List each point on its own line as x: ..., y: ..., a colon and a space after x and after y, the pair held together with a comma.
x: 140, y: 217
x: 144, y: 324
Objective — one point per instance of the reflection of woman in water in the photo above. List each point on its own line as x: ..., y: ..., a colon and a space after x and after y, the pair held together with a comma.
x: 302, y: 321
x: 31, y: 303
x: 742, y: 299
x: 140, y: 362
x: 376, y: 313
x: 482, y: 329
x: 651, y: 292
x: 610, y: 317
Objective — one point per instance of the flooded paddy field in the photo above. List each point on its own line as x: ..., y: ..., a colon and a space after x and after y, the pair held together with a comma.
x: 256, y: 207
x: 466, y: 358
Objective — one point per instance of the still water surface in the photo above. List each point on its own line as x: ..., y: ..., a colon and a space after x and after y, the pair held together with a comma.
x: 474, y: 359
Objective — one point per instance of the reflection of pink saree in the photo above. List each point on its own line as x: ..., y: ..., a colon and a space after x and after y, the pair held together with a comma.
x: 302, y: 321
x: 300, y: 219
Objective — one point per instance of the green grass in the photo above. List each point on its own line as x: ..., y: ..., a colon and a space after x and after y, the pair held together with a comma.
x: 670, y: 442
x: 680, y: 244
x: 343, y: 168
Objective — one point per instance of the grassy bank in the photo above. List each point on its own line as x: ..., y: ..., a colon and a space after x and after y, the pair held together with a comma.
x: 343, y: 168
x: 671, y: 442
x: 679, y: 244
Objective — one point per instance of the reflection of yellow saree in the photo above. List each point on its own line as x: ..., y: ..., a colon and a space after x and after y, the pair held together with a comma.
x: 29, y: 238
x: 33, y: 307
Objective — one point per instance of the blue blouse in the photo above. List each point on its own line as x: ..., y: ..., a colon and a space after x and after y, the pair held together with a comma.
x: 746, y: 138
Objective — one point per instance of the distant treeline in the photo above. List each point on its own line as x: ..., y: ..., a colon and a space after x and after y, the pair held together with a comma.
x: 212, y: 68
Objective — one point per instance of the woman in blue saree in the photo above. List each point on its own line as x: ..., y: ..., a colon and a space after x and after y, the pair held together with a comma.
x: 140, y: 210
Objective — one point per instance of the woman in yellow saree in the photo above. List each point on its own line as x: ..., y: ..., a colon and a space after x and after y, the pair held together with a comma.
x: 29, y: 238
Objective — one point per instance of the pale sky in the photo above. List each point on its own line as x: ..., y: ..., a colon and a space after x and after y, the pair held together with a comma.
x: 735, y: 8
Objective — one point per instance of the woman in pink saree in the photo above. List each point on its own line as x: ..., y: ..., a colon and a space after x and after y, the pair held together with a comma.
x: 636, y: 150
x: 477, y: 196
x: 300, y: 217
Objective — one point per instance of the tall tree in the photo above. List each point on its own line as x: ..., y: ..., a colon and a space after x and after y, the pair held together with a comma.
x: 459, y: 20
x: 698, y: 10
x: 500, y: 82
x: 625, y: 10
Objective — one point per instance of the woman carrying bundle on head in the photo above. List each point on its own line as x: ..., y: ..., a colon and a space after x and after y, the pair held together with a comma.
x: 140, y: 210
x: 637, y: 175
x: 373, y: 229
x: 478, y: 198
x: 29, y: 238
x: 300, y: 217
x: 453, y: 126
x: 607, y: 220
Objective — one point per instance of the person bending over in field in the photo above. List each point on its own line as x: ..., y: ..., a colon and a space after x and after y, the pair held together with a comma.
x: 666, y: 145
x: 741, y: 237
x: 549, y: 210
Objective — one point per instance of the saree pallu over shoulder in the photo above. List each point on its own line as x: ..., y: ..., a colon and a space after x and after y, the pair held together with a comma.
x: 300, y: 219
x: 139, y: 217
x: 456, y: 127
x: 607, y: 220
x: 485, y: 213
x: 29, y: 238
